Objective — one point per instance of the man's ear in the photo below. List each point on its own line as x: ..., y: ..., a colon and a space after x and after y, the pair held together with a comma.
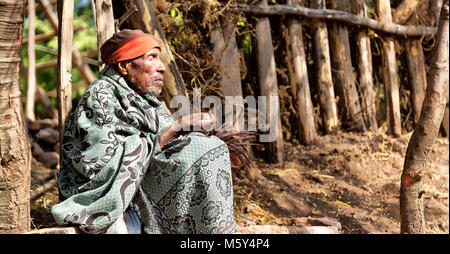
x: 122, y: 67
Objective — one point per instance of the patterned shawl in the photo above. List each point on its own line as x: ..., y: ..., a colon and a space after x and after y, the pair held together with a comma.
x: 111, y: 156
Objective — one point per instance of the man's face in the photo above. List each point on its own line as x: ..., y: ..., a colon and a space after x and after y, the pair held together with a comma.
x: 145, y: 74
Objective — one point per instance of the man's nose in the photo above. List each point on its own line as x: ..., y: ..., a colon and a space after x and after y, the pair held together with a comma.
x: 161, y: 66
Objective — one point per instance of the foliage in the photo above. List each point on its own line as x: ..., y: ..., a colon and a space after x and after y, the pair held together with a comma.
x: 85, y: 39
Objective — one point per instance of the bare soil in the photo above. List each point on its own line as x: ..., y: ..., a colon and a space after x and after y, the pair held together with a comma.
x: 354, y: 178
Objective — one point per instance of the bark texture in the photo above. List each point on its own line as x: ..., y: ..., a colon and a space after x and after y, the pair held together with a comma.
x: 15, y: 152
x: 364, y: 63
x: 425, y: 132
x: 268, y: 84
x: 344, y: 79
x: 390, y: 78
x: 299, y: 81
x: 328, y: 107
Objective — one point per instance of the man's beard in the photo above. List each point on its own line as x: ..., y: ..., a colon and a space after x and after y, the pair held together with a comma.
x: 149, y: 88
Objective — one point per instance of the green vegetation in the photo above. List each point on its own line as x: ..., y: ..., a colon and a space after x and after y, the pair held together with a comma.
x: 84, y: 40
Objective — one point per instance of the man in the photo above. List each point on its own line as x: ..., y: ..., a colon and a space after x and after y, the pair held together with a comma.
x: 123, y: 154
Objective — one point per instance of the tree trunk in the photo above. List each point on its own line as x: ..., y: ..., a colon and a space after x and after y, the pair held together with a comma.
x: 104, y: 21
x: 390, y: 78
x: 31, y: 77
x: 344, y: 79
x: 417, y: 76
x: 365, y: 69
x: 424, y: 134
x: 404, y: 10
x: 298, y: 73
x: 15, y: 152
x: 269, y: 85
x: 146, y: 20
x: 225, y: 53
x: 64, y: 78
x: 324, y: 78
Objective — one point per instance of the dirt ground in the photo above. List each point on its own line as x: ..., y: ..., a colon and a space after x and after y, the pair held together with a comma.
x: 353, y: 178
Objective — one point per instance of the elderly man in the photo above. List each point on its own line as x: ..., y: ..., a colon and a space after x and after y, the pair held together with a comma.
x: 124, y: 158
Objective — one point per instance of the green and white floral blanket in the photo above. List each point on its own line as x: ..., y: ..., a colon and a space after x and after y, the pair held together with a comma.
x: 111, y: 157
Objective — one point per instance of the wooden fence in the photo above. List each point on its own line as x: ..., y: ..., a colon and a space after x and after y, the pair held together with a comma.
x: 332, y: 55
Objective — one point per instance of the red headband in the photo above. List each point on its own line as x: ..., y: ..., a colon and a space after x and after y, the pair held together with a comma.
x: 132, y: 48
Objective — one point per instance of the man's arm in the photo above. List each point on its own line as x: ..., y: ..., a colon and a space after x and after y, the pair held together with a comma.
x: 185, y: 123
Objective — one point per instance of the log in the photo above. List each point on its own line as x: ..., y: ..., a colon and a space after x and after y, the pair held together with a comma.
x: 104, y: 21
x: 146, y: 20
x: 336, y: 15
x: 225, y: 53
x: 298, y: 74
x: 389, y: 73
x: 343, y: 76
x: 275, y: 229
x: 404, y: 11
x: 420, y: 145
x: 31, y: 78
x: 328, y: 107
x: 43, y: 188
x: 64, y: 79
x: 364, y: 63
x: 268, y: 84
x: 55, y: 230
x: 417, y: 76
x: 48, y: 135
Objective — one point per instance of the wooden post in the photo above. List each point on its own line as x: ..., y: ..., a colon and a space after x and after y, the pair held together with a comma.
x: 146, y: 20
x: 31, y: 77
x: 324, y: 78
x: 417, y: 76
x: 104, y: 20
x: 268, y: 83
x: 390, y: 78
x: 367, y: 97
x: 299, y: 80
x: 225, y: 53
x: 64, y: 79
x: 343, y: 76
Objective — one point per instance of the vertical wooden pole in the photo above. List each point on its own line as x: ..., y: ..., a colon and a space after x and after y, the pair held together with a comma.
x: 268, y: 83
x: 343, y: 76
x: 417, y: 76
x: 390, y: 78
x: 225, y: 53
x: 104, y: 20
x: 31, y: 77
x: 299, y: 80
x: 324, y: 78
x: 367, y: 97
x: 64, y: 79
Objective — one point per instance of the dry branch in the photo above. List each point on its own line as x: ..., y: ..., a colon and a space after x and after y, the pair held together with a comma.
x: 342, y: 16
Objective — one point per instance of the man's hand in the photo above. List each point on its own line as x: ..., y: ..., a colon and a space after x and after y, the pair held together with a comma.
x: 200, y: 120
x: 187, y: 123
